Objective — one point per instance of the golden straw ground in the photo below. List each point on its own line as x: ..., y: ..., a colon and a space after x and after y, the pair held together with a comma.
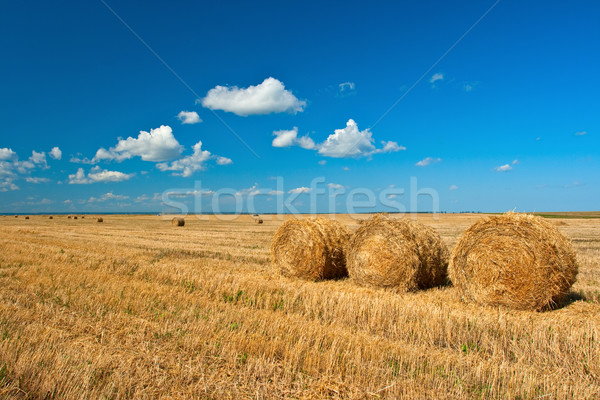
x: 515, y: 260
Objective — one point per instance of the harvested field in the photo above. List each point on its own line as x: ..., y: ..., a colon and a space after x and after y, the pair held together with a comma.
x: 132, y: 308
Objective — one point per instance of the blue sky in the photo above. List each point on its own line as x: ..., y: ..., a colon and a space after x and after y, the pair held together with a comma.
x: 508, y: 119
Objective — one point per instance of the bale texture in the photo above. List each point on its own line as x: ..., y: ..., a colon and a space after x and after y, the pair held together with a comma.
x: 178, y: 221
x: 100, y: 219
x: 312, y: 249
x: 518, y: 261
x: 397, y: 254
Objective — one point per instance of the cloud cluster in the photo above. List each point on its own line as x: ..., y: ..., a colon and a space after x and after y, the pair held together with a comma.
x: 343, y: 143
x: 268, y: 97
x: 12, y: 169
x: 157, y: 145
x: 110, y: 196
x: 186, y: 166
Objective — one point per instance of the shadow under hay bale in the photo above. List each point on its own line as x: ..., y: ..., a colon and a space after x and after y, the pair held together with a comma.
x: 178, y: 221
x: 397, y: 254
x: 310, y: 249
x: 514, y: 260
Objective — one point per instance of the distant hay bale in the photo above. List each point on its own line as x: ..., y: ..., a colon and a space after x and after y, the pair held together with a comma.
x: 68, y: 216
x: 178, y: 221
x: 83, y: 217
x: 75, y: 217
x: 51, y: 217
x: 27, y: 217
x: 397, y: 254
x: 311, y: 249
x: 514, y: 260
x: 99, y: 219
x: 16, y: 216
x: 259, y: 221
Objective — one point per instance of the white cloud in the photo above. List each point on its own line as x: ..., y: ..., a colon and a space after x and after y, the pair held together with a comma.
x: 108, y: 197
x: 428, y: 161
x: 186, y: 166
x: 581, y: 133
x: 224, y: 161
x: 351, y: 142
x: 285, y: 138
x: 188, y: 193
x: 322, y: 162
x: 7, y: 185
x: 268, y: 97
x: 335, y: 186
x: 515, y: 162
x: 98, y: 175
x: 346, y: 86
x: 453, y: 187
x: 157, y: 145
x: 189, y: 117
x: 343, y: 143
x: 36, y: 180
x: 436, y: 77
x: 300, y: 190
x: 503, y: 168
x: 39, y: 159
x: 7, y: 154
x: 55, y: 153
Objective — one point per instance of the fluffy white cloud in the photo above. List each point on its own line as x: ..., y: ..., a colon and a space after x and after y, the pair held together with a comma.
x: 436, y: 77
x: 503, y: 168
x: 300, y: 190
x: 7, y: 154
x: 335, y: 186
x: 98, y: 175
x: 224, y: 161
x: 186, y: 166
x: 55, y: 153
x: 351, y: 142
x: 581, y: 133
x: 189, y: 117
x: 428, y: 161
x: 39, y: 159
x: 268, y: 97
x: 285, y: 138
x: 453, y: 187
x: 157, y: 145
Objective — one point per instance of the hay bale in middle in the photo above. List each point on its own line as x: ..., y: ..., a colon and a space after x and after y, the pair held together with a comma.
x: 397, y: 254
x: 178, y: 221
x: 312, y: 249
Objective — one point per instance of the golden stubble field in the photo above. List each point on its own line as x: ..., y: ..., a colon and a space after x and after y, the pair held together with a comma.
x: 137, y: 308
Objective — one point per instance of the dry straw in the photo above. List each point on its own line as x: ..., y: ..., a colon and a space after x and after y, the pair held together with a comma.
x: 514, y: 260
x: 178, y: 221
x: 100, y: 219
x: 397, y: 254
x: 311, y: 249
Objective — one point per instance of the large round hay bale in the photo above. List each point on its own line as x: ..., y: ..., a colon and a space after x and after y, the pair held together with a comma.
x: 99, y: 219
x: 178, y: 221
x: 312, y: 249
x: 51, y: 217
x: 514, y: 260
x: 397, y: 254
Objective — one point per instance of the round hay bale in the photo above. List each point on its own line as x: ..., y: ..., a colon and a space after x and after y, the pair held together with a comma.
x: 27, y: 217
x: 51, y: 217
x: 75, y: 217
x: 68, y: 216
x: 178, y: 221
x: 16, y: 216
x: 397, y: 254
x: 83, y: 217
x: 312, y: 249
x: 259, y: 221
x: 99, y: 219
x: 514, y: 260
